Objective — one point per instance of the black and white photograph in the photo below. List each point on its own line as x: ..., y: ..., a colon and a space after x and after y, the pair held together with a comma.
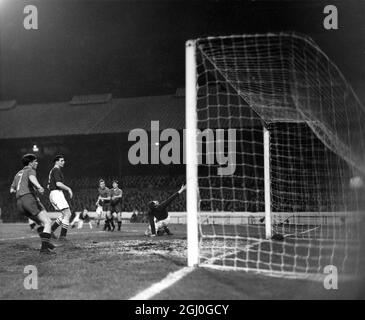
x: 193, y: 153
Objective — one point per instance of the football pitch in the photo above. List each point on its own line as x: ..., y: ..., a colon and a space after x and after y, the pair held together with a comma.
x: 101, y: 265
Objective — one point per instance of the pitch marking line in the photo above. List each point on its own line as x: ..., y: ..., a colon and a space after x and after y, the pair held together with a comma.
x: 158, y: 287
x: 303, y: 232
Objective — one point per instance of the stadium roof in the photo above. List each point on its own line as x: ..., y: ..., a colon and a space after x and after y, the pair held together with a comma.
x: 115, y: 116
x: 100, y: 114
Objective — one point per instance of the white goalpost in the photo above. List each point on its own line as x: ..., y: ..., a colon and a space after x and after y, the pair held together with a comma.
x: 191, y: 154
x: 291, y: 206
x: 267, y: 190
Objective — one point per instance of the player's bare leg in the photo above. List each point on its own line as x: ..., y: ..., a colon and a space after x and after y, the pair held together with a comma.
x: 57, y: 223
x: 113, y: 217
x: 65, y: 223
x: 45, y: 235
x: 119, y: 218
x: 107, y: 222
x: 99, y: 213
x: 80, y: 224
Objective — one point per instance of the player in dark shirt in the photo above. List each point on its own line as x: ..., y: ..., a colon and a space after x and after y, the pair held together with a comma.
x: 158, y: 215
x: 104, y: 202
x: 25, y: 185
x: 116, y: 195
x: 56, y: 186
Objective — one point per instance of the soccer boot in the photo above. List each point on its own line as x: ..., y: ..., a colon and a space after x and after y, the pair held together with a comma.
x: 52, y: 246
x: 40, y: 229
x: 63, y: 239
x: 167, y: 230
x: 46, y: 251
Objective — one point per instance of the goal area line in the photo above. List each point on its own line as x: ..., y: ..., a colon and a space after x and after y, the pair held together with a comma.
x: 267, y: 272
x: 254, y: 218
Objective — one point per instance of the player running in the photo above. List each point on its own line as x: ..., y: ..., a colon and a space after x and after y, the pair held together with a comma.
x: 104, y: 202
x: 158, y: 215
x: 116, y: 195
x: 56, y: 186
x: 24, y: 186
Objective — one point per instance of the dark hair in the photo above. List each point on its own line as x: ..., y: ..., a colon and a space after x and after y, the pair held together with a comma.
x: 101, y: 180
x: 151, y: 205
x: 58, y: 157
x: 28, y: 158
x: 115, y: 181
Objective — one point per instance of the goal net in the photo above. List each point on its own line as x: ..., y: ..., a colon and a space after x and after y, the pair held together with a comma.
x: 274, y: 137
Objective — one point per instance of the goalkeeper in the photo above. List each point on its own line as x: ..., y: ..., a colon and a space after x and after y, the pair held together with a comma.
x: 158, y: 215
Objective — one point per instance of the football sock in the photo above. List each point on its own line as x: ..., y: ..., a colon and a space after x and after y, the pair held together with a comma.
x: 64, y: 230
x: 119, y: 225
x: 56, y: 224
x: 45, y: 239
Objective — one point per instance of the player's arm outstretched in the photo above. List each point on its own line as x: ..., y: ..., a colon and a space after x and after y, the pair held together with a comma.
x: 165, y: 203
x: 162, y: 206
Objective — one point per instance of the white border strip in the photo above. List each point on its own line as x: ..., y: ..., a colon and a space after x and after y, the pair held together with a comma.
x: 158, y: 287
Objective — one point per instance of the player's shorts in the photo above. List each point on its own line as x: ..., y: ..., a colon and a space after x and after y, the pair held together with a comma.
x: 29, y: 205
x: 100, y: 213
x: 159, y: 225
x: 58, y: 200
x: 115, y: 208
x: 104, y: 205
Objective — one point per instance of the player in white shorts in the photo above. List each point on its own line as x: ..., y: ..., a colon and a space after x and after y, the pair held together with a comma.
x: 57, y: 198
x: 103, y: 205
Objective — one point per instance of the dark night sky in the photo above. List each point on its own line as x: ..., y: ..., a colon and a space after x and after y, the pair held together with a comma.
x: 134, y: 48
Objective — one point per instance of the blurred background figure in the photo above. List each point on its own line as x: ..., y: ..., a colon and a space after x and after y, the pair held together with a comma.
x: 80, y: 218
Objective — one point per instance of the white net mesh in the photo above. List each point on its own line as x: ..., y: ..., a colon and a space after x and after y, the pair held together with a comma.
x: 285, y: 83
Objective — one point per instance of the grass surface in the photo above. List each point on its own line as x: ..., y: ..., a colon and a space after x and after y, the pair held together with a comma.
x: 118, y: 265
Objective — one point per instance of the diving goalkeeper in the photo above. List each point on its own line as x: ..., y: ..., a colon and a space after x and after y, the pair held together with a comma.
x: 158, y: 215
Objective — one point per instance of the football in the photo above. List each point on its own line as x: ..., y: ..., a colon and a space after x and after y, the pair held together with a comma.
x: 356, y: 182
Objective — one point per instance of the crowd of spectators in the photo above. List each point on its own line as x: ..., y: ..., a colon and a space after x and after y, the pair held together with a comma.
x: 137, y: 192
x: 236, y: 193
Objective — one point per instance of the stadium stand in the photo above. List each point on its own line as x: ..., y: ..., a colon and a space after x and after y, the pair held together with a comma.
x: 113, y: 116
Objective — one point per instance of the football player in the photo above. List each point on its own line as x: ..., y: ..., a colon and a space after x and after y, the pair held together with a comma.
x: 57, y: 186
x: 158, y: 215
x: 25, y: 185
x: 104, y: 202
x: 116, y: 195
